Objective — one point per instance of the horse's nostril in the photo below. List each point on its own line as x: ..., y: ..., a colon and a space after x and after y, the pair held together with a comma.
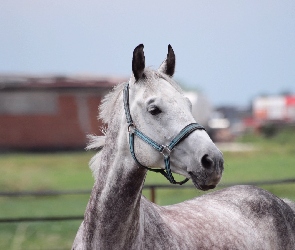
x: 207, y: 162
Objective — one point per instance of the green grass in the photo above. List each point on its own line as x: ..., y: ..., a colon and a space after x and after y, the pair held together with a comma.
x: 274, y: 159
x: 59, y: 171
x: 45, y: 171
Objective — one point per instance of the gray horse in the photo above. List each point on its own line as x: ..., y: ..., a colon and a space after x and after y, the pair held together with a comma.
x: 150, y: 125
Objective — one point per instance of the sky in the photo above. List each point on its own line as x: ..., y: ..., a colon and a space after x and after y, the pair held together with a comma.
x: 231, y: 50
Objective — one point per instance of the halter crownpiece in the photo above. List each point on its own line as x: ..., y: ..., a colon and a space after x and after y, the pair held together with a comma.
x: 165, y: 150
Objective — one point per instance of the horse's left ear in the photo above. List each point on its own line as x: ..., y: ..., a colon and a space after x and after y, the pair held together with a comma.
x: 138, y: 62
x: 168, y: 66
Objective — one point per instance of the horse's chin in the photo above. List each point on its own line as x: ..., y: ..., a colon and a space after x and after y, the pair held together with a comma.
x: 200, y: 184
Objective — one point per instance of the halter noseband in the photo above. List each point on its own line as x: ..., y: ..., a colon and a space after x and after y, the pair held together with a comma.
x: 165, y: 150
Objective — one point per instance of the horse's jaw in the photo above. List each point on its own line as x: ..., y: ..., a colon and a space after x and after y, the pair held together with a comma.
x: 202, y: 185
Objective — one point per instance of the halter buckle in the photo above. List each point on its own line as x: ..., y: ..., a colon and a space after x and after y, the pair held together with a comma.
x: 166, y: 151
x: 131, y: 128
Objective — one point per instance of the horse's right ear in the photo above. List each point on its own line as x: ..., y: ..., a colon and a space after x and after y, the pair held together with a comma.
x: 168, y: 66
x: 138, y: 62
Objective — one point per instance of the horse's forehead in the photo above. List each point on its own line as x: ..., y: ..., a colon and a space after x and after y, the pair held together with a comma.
x: 161, y: 88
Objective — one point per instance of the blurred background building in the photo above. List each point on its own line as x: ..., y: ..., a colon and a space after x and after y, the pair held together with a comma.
x: 50, y: 112
x: 44, y: 112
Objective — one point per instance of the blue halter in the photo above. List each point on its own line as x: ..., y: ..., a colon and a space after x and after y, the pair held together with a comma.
x: 165, y: 150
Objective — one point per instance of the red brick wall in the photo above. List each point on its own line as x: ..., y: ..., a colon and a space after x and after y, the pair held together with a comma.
x: 50, y: 131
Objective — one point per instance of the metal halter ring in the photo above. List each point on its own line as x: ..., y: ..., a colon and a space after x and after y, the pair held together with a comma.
x: 165, y: 151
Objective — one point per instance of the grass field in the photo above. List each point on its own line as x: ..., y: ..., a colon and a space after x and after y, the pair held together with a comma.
x: 273, y: 159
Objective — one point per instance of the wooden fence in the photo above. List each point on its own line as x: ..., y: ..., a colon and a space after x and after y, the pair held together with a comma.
x: 151, y: 188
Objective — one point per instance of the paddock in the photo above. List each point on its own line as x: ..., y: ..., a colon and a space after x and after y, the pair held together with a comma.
x: 54, y: 233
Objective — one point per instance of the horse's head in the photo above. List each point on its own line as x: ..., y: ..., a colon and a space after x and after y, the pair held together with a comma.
x: 160, y: 111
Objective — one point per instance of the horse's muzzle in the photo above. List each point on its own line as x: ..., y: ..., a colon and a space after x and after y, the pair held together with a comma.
x: 210, y: 175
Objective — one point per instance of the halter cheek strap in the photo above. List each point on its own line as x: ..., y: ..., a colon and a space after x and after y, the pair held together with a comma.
x: 165, y: 150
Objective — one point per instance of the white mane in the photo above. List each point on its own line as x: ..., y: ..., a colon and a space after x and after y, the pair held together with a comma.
x: 108, y: 103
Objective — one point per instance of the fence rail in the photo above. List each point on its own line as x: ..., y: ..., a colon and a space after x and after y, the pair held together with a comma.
x: 148, y: 186
x: 40, y: 219
x: 152, y: 188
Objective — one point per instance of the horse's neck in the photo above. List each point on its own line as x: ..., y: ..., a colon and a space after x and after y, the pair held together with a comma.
x: 112, y: 215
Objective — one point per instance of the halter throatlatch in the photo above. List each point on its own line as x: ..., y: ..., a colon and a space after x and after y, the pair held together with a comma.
x: 165, y: 150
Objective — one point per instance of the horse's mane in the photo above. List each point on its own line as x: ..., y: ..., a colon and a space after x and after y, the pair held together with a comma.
x: 108, y: 103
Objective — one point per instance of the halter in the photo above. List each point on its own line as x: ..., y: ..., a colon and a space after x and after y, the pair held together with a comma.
x: 165, y: 150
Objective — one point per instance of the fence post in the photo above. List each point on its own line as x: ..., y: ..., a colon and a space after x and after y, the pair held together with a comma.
x: 153, y: 194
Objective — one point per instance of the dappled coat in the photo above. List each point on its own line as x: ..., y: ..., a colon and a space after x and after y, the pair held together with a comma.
x: 119, y: 217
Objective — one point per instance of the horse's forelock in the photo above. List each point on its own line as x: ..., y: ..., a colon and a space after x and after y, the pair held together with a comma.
x: 151, y: 76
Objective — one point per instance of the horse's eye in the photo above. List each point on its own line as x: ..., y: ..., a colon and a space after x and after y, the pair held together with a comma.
x: 154, y: 110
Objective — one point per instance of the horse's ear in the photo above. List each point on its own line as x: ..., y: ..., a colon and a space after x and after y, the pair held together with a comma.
x: 138, y: 62
x: 168, y: 66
